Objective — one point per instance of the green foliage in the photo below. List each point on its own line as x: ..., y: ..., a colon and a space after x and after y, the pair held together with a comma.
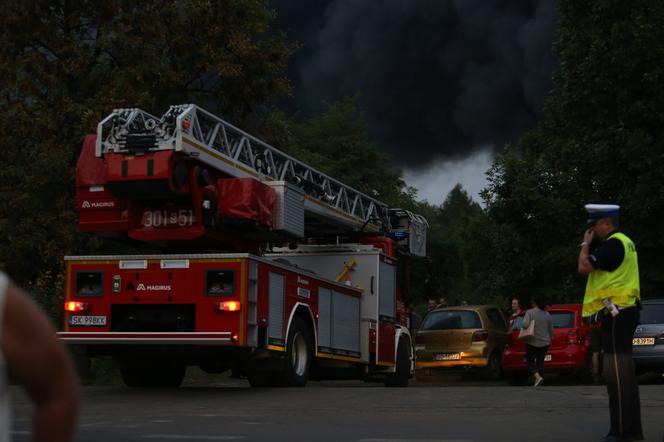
x: 66, y: 64
x: 337, y: 143
x: 457, y: 248
x: 600, y: 141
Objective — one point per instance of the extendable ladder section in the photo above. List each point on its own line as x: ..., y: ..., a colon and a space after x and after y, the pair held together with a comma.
x: 201, y: 135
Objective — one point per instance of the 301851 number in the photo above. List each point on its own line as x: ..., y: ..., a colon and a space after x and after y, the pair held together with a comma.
x: 168, y: 218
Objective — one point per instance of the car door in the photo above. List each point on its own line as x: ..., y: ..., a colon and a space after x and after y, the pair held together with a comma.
x: 497, y: 327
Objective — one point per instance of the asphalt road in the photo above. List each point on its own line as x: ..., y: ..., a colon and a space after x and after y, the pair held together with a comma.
x: 456, y: 409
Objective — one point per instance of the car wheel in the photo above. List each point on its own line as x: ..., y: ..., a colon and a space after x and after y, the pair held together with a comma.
x: 494, y: 367
x: 402, y: 370
x: 585, y: 374
x: 517, y: 378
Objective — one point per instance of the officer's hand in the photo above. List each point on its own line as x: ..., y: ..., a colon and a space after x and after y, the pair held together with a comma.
x: 588, y: 236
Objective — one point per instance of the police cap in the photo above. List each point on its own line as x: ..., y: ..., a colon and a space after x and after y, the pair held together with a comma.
x: 599, y: 211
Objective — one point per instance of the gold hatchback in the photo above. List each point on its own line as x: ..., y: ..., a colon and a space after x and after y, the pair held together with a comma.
x: 462, y: 337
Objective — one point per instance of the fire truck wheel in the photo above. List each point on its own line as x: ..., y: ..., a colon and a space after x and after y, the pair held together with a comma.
x: 168, y: 376
x: 298, y: 355
x: 402, y: 370
x: 261, y: 379
x: 132, y: 376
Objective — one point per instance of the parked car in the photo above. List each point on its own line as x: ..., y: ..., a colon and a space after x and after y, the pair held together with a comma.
x: 648, y: 342
x: 469, y: 337
x: 569, y: 353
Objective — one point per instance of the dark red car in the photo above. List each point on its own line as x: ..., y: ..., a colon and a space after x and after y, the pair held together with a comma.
x: 570, y: 351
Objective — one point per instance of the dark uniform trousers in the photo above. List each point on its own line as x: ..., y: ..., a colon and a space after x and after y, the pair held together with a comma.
x: 618, y: 369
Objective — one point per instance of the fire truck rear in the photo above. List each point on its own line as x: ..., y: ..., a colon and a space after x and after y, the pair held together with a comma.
x: 267, y: 266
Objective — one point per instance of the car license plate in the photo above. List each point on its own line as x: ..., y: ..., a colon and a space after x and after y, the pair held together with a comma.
x: 547, y: 358
x: 448, y: 357
x: 643, y: 341
x: 87, y: 321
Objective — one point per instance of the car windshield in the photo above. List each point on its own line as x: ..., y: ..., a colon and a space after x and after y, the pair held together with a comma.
x: 559, y: 319
x: 652, y: 314
x: 451, y: 320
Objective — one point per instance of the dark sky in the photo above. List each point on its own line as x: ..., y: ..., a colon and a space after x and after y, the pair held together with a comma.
x: 439, y: 80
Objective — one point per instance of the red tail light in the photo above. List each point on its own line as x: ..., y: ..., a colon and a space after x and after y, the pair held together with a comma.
x: 74, y: 306
x: 229, y: 306
x: 573, y: 337
x: 480, y: 335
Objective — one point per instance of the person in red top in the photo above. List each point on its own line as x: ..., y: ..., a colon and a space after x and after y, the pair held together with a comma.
x: 516, y: 311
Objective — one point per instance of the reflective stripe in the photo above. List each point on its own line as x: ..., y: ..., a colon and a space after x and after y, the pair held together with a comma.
x: 621, y: 285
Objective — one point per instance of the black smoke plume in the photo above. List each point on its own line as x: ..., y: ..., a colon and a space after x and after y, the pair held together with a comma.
x: 438, y: 79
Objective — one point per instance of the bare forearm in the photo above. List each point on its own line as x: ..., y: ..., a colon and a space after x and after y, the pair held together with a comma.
x: 41, y: 364
x: 56, y: 403
x: 584, y: 266
x: 54, y: 421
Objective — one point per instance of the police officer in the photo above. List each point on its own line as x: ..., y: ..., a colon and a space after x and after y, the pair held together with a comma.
x: 609, y: 259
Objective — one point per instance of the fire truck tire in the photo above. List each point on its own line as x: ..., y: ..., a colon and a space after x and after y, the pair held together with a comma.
x: 168, y: 376
x: 297, y: 361
x: 402, y: 370
x: 261, y: 379
x: 132, y: 376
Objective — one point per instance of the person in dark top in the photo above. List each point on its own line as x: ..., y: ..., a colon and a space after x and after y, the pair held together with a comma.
x: 608, y: 254
x: 609, y: 258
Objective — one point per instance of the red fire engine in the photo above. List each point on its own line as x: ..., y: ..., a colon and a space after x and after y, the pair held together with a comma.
x: 302, y: 276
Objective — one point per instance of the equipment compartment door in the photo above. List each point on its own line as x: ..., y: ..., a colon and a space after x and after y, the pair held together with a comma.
x: 386, y: 311
x: 276, y: 287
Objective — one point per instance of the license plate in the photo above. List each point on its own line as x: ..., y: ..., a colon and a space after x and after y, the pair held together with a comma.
x: 643, y: 341
x: 448, y: 357
x: 547, y: 358
x: 168, y: 218
x: 87, y: 321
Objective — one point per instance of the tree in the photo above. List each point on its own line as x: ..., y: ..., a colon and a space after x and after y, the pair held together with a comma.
x: 66, y: 64
x: 458, y: 249
x: 337, y: 142
x: 599, y: 141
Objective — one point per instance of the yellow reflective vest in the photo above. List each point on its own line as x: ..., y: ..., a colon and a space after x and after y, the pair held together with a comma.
x: 621, y: 285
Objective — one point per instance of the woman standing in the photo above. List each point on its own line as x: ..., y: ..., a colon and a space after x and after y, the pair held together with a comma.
x: 538, y: 344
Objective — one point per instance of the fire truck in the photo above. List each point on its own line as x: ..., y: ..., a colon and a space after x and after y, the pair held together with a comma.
x: 259, y: 263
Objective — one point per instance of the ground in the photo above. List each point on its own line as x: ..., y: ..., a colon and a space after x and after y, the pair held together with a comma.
x: 455, y: 408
